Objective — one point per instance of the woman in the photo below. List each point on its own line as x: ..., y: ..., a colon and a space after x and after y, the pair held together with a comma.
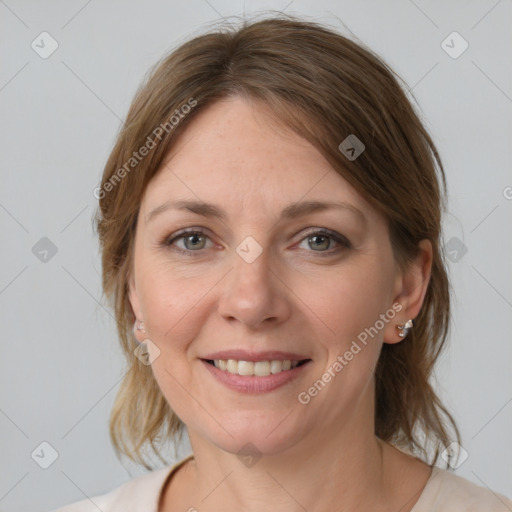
x: 270, y: 228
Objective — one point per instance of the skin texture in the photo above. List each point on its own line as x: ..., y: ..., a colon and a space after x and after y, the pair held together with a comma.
x: 304, y: 295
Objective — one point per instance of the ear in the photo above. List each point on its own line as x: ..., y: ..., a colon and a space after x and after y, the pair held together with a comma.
x: 410, y: 289
x: 134, y: 302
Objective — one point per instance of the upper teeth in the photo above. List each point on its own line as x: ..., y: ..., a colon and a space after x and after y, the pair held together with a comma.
x: 259, y: 368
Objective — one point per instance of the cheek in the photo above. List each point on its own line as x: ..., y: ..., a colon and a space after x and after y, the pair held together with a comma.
x: 350, y: 302
x: 349, y: 310
x: 171, y: 306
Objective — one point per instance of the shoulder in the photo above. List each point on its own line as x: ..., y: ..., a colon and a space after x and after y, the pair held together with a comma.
x: 446, y: 492
x: 141, y: 493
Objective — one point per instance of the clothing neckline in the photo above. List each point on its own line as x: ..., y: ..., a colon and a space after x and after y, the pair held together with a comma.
x: 168, y: 478
x: 426, y: 492
x: 416, y: 508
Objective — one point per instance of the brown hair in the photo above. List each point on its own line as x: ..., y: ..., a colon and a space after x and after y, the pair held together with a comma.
x: 325, y: 87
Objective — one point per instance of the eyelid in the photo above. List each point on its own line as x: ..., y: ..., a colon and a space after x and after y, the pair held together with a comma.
x: 333, y: 234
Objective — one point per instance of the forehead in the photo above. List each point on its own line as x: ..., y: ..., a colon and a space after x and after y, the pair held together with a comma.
x: 235, y: 151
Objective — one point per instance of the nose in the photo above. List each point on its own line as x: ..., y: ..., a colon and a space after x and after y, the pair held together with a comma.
x: 254, y: 295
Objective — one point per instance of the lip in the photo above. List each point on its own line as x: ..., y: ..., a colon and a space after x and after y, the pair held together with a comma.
x: 253, y: 384
x: 244, y: 355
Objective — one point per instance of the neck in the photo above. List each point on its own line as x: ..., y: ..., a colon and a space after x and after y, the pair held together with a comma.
x: 337, y: 468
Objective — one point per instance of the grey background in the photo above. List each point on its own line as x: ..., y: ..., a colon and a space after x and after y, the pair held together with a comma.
x: 60, y: 364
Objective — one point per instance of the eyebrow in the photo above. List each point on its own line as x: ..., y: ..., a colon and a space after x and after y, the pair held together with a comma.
x: 292, y: 211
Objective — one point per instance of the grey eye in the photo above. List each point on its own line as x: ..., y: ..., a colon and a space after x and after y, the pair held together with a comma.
x: 194, y: 241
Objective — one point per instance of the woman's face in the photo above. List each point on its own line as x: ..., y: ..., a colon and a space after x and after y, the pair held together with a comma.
x: 264, y: 282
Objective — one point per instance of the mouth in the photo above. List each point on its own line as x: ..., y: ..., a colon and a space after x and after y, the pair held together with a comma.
x: 255, y: 377
x: 255, y: 368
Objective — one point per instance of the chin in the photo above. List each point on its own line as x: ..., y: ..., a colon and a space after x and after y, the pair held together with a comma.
x: 257, y: 433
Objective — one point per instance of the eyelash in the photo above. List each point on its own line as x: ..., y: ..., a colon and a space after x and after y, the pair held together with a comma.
x: 345, y: 244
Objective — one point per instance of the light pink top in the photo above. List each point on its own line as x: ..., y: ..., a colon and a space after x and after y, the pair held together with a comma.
x: 444, y: 492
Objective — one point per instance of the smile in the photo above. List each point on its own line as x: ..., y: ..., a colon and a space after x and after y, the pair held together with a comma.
x: 258, y: 369
x: 255, y: 377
